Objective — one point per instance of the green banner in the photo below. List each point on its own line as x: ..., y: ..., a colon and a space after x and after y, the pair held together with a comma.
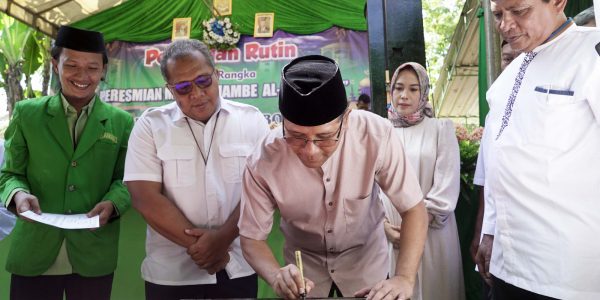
x: 249, y: 73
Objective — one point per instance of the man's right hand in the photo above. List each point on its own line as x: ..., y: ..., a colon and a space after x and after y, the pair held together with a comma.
x: 288, y: 283
x: 484, y: 255
x: 24, y: 202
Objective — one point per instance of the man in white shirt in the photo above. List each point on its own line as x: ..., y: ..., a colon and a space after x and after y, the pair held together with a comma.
x: 542, y: 185
x: 508, y: 55
x: 183, y: 170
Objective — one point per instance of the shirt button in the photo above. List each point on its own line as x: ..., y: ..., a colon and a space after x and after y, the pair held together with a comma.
x: 71, y: 188
x: 330, y: 203
x: 328, y: 179
x: 331, y: 249
x: 329, y: 231
x: 73, y: 164
x: 332, y: 271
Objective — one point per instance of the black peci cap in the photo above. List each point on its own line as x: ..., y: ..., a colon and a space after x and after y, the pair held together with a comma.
x: 80, y: 40
x: 312, y: 92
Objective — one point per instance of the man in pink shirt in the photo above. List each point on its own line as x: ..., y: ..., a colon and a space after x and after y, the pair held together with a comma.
x: 323, y: 171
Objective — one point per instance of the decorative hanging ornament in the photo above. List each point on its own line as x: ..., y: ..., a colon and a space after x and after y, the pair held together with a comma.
x: 220, y: 33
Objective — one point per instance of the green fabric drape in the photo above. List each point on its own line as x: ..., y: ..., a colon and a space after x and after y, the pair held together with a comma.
x: 151, y: 20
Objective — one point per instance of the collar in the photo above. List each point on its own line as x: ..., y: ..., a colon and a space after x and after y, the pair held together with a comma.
x: 570, y: 27
x: 70, y: 108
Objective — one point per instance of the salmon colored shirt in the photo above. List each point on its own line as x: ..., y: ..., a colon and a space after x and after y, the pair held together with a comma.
x: 333, y: 213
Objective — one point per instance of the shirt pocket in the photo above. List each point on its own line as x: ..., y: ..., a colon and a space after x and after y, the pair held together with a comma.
x: 233, y: 161
x: 559, y: 109
x: 356, y: 215
x: 105, y: 151
x: 179, y: 167
x: 106, y: 146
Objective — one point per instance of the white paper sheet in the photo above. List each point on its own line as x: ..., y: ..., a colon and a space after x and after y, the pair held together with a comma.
x: 79, y: 221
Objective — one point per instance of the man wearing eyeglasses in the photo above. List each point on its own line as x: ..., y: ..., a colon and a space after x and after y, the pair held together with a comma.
x: 323, y: 171
x: 183, y: 169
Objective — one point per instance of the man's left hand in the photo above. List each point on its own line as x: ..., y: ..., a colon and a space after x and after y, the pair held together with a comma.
x: 397, y: 287
x: 104, y: 209
x: 209, y: 250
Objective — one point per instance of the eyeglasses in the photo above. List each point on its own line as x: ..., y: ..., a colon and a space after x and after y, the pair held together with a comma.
x: 302, y: 142
x: 185, y: 87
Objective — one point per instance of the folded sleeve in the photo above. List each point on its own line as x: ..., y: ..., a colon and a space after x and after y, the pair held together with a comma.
x: 142, y: 161
x: 489, y: 216
x: 257, y: 207
x: 441, y: 199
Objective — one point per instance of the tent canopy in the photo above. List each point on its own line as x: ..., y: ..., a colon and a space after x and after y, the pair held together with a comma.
x: 456, y: 92
x: 48, y: 15
x: 151, y: 20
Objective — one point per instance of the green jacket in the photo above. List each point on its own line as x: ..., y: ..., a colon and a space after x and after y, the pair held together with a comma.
x: 39, y: 157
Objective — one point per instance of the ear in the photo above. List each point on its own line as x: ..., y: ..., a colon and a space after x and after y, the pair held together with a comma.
x: 170, y: 90
x: 104, y: 70
x: 216, y: 76
x: 54, y: 66
x: 559, y: 5
x: 346, y: 114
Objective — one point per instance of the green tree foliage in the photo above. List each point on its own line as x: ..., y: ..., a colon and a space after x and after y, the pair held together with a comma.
x: 439, y: 21
x: 44, y: 45
x: 32, y: 61
x: 21, y: 55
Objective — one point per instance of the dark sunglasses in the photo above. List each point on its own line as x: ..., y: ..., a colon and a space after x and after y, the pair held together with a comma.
x: 185, y: 87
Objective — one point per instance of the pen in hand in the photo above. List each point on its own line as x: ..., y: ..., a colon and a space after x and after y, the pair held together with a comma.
x: 299, y: 265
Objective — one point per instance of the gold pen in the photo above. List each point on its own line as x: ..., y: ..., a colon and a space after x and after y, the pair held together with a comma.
x: 299, y: 265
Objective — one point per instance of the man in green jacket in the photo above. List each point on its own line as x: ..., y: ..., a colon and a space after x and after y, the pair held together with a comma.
x: 65, y: 155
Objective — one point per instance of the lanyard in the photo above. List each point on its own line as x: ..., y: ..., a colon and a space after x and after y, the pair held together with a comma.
x: 212, y: 137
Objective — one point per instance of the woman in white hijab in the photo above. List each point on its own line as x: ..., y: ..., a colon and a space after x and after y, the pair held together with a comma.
x: 432, y: 149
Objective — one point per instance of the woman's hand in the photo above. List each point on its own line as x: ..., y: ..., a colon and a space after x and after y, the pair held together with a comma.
x: 392, y: 232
